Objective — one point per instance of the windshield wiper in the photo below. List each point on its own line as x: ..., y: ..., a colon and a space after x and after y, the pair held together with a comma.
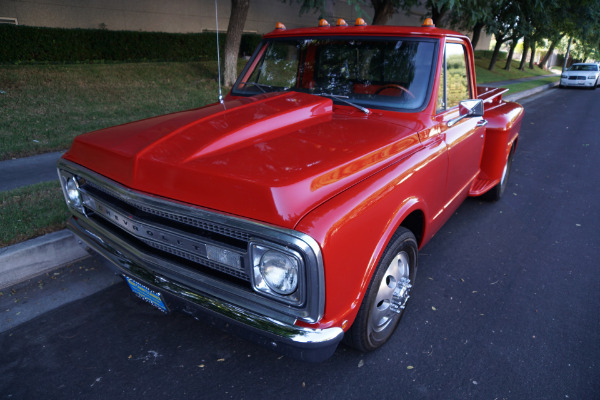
x: 343, y: 100
x: 264, y: 88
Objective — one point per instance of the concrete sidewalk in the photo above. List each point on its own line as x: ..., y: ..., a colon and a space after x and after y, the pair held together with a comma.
x: 27, y: 171
x: 40, y: 255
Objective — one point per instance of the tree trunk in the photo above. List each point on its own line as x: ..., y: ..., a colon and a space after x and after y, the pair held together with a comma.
x: 477, y: 33
x: 524, y: 55
x: 510, y: 55
x: 237, y: 19
x: 438, y: 14
x: 495, y: 54
x: 532, y: 58
x: 549, y: 53
x: 384, y: 9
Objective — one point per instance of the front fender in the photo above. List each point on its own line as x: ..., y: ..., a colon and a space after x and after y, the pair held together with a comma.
x: 354, y: 228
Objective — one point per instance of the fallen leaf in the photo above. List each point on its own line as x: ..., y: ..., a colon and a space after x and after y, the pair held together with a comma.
x: 361, y: 363
x: 220, y: 360
x: 410, y: 367
x: 433, y: 308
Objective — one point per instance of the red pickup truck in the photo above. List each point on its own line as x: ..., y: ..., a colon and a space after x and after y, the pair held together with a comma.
x: 293, y: 211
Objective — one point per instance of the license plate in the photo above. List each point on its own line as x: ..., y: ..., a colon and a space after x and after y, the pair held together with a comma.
x: 146, y: 294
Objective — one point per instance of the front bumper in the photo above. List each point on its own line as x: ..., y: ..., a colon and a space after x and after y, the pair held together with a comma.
x: 280, y: 335
x: 587, y: 83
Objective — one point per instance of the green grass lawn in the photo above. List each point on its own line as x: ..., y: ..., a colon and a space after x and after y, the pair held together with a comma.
x: 482, y: 62
x: 31, y: 211
x: 43, y: 107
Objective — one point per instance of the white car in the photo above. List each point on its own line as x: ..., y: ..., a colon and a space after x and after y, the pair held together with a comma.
x: 581, y: 75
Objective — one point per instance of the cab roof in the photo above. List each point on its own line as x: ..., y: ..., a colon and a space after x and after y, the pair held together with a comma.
x: 368, y: 30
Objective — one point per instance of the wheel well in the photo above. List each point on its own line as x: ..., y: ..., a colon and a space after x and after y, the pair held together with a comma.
x: 513, y: 147
x: 415, y: 222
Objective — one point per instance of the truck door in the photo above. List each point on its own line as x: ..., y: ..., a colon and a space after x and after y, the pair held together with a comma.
x: 465, y: 139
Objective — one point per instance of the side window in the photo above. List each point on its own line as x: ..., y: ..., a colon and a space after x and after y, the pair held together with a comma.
x: 454, y: 78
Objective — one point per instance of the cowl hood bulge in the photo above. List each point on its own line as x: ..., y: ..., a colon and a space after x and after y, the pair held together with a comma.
x: 271, y: 158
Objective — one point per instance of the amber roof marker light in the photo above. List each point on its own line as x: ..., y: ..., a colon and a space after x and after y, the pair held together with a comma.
x: 428, y: 23
x: 360, y: 22
x: 323, y: 23
x: 341, y: 22
x: 280, y: 26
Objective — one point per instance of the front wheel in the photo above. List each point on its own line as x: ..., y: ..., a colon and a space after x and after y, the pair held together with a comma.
x: 385, y: 299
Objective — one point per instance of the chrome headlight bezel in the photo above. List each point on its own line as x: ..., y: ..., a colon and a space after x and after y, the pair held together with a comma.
x: 262, y: 253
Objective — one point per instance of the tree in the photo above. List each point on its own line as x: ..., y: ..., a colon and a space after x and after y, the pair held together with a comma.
x: 471, y: 16
x: 237, y: 20
x: 384, y: 9
x: 503, y: 25
x: 526, y: 44
x: 320, y: 6
x: 555, y: 40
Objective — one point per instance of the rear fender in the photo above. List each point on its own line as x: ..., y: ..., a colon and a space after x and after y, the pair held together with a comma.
x: 502, y: 131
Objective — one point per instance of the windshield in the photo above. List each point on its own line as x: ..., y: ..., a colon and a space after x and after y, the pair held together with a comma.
x: 376, y: 73
x: 584, y: 67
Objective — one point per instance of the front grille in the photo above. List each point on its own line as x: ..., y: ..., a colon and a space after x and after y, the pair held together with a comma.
x: 203, y: 250
x: 170, y: 234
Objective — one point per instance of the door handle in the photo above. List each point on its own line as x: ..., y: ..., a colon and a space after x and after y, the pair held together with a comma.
x: 483, y: 122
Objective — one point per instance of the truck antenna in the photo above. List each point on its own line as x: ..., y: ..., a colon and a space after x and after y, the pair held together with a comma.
x: 218, y: 57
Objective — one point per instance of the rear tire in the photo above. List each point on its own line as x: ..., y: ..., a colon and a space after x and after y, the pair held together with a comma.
x: 495, y: 193
x: 385, y: 299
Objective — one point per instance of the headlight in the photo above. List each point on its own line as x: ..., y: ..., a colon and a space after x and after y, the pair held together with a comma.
x: 564, y: 76
x: 591, y: 77
x: 277, y: 273
x: 72, y: 190
x: 71, y: 186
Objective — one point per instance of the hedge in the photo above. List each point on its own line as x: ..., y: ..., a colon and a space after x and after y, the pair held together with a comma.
x: 39, y: 45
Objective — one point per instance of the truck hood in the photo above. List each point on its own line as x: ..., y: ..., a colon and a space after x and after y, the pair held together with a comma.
x: 271, y: 158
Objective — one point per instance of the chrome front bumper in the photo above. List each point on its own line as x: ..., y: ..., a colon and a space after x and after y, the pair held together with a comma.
x: 280, y: 335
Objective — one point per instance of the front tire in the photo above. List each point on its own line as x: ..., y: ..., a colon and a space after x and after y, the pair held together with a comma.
x: 385, y: 300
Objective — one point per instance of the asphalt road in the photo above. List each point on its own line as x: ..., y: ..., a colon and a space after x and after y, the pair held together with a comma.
x: 505, y: 307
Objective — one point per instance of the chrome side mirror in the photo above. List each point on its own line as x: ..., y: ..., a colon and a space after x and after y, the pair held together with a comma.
x: 468, y: 109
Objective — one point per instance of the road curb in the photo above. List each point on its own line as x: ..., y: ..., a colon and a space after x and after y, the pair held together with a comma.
x: 526, y: 93
x: 25, y: 260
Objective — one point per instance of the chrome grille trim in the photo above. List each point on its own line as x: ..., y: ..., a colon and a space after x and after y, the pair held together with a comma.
x: 187, y: 220
x: 223, y: 226
x: 181, y: 244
